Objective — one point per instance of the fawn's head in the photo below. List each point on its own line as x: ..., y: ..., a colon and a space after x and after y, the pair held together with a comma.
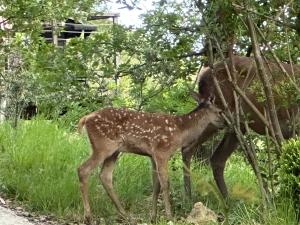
x: 213, y: 113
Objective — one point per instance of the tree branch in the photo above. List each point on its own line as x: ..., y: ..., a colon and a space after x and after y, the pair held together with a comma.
x: 265, y: 82
x: 277, y: 60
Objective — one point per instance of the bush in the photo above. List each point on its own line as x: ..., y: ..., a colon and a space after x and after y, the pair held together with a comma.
x: 72, y: 115
x: 289, y: 171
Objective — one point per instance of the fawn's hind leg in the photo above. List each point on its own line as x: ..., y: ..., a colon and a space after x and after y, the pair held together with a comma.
x: 102, y: 149
x: 83, y: 173
x: 106, y: 179
x: 156, y: 190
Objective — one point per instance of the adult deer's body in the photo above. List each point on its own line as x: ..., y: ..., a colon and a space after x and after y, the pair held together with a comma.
x: 111, y: 131
x: 247, y: 80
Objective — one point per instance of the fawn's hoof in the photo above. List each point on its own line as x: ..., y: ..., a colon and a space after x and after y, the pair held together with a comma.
x: 88, y: 220
x: 169, y: 217
x: 122, y: 217
x: 153, y: 218
x: 127, y: 219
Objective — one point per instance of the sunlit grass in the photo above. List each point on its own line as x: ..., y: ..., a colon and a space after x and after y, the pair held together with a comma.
x: 38, y: 166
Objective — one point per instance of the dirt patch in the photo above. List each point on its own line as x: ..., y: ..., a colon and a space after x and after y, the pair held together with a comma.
x: 12, y: 214
x: 9, y: 217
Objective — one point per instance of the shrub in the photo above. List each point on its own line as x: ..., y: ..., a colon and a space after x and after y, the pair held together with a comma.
x: 289, y: 171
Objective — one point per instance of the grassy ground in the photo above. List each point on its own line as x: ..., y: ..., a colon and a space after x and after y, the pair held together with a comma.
x: 38, y: 164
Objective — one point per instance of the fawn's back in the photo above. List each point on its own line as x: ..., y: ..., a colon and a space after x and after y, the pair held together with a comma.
x: 134, y: 130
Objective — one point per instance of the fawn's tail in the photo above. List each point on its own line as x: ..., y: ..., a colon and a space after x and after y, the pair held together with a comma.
x: 81, y: 124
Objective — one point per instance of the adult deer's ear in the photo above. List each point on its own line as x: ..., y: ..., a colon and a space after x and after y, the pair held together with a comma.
x: 212, y: 99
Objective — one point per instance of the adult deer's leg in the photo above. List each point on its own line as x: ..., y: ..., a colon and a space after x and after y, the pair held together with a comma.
x: 162, y: 169
x: 187, y: 153
x: 219, y: 158
x: 106, y: 179
x: 83, y: 173
x: 156, y: 189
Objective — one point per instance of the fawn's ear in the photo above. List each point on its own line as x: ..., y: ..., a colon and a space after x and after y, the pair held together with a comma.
x: 196, y: 96
x: 199, y: 99
x: 211, y: 99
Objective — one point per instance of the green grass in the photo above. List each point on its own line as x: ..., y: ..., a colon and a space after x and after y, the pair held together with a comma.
x: 38, y: 163
x: 38, y: 166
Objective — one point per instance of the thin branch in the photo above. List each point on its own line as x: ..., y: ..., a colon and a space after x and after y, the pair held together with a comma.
x: 277, y: 60
x: 197, y: 75
x: 216, y: 83
x: 263, y: 186
x: 248, y: 149
x: 186, y: 29
x: 269, y: 157
x: 4, y: 21
x: 237, y: 89
x: 289, y: 53
x: 265, y: 81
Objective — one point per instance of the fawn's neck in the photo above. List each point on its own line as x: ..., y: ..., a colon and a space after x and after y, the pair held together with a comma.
x: 192, y: 125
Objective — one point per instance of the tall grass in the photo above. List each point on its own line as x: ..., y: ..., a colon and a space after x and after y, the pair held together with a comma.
x: 38, y: 163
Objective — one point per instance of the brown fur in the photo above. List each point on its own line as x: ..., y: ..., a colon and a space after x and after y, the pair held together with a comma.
x: 111, y: 131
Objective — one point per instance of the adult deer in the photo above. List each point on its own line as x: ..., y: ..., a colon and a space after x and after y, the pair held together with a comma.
x: 247, y: 79
x: 111, y: 131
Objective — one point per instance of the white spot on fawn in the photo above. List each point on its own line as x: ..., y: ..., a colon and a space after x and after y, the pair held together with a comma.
x: 164, y: 138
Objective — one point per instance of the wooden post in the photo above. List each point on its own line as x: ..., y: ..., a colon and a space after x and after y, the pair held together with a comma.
x: 54, y: 34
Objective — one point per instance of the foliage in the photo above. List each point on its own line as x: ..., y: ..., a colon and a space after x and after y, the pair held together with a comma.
x: 27, y: 16
x: 290, y: 171
x: 166, y: 47
x: 281, y: 213
x: 22, y: 25
x: 175, y: 99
